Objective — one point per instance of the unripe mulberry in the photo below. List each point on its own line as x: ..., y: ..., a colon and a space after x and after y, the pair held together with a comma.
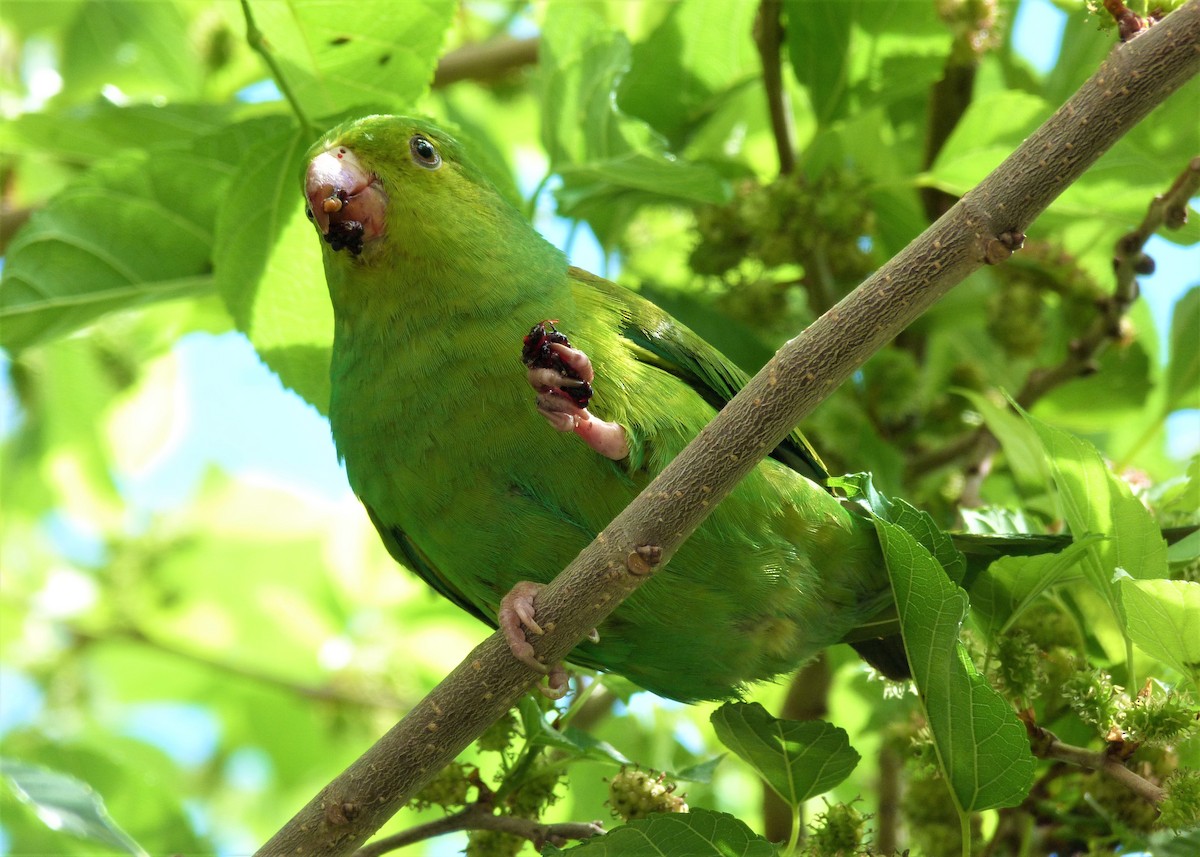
x: 636, y: 794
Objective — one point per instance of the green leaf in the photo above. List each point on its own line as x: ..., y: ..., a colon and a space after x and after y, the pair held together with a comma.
x: 339, y: 54
x: 818, y: 43
x: 142, y: 49
x: 98, y: 131
x: 701, y: 772
x: 1095, y: 501
x: 1163, y: 619
x: 916, y: 522
x: 605, y: 157
x: 132, y: 230
x: 700, y: 52
x: 1012, y: 583
x: 268, y: 266
x: 698, y: 833
x: 981, y: 746
x: 1183, y: 366
x: 799, y: 759
x: 67, y: 804
x: 1185, y: 550
x: 1022, y: 449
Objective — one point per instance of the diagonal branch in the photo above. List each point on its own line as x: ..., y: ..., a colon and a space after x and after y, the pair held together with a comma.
x: 983, y: 227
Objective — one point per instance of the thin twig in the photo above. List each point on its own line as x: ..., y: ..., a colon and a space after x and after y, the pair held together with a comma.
x: 487, y: 61
x: 1129, y: 23
x: 984, y: 227
x: 1168, y: 209
x: 258, y: 44
x: 480, y: 816
x: 1046, y: 745
x: 768, y: 35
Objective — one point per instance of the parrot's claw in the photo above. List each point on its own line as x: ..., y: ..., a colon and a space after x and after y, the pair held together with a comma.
x: 515, y: 617
x: 562, y: 377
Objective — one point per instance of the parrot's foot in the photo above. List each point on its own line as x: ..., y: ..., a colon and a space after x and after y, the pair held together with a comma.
x: 563, y: 376
x: 515, y: 617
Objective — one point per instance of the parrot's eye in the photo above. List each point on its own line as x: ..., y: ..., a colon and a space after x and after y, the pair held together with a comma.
x: 424, y: 153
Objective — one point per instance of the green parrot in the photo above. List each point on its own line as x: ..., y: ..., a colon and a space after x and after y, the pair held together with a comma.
x: 486, y: 479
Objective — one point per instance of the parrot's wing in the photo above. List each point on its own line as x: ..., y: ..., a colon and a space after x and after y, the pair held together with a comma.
x: 659, y: 340
x: 406, y: 552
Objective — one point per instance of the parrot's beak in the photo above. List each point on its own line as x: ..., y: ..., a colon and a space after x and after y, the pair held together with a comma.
x: 345, y: 201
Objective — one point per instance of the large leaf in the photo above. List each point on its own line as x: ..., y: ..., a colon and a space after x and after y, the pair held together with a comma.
x: 1022, y: 449
x: 799, y: 759
x: 916, y: 522
x: 700, y: 52
x: 268, y: 265
x: 141, y: 49
x: 1183, y: 368
x: 1095, y: 501
x: 981, y: 746
x: 95, y: 132
x: 699, y: 833
x: 67, y: 804
x: 134, y: 229
x: 818, y: 43
x: 603, y: 154
x: 337, y: 54
x: 1163, y: 619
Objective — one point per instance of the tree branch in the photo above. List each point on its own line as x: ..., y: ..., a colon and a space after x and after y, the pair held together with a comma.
x: 479, y: 816
x: 768, y: 36
x: 1046, y: 745
x: 983, y: 227
x: 485, y: 61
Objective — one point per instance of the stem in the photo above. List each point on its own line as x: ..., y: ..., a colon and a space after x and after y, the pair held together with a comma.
x: 1046, y: 745
x: 794, y: 836
x: 258, y: 44
x: 485, y: 61
x: 964, y: 830
x: 1130, y: 673
x: 768, y: 36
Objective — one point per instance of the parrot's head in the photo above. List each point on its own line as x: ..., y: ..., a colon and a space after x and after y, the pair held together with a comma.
x: 389, y: 177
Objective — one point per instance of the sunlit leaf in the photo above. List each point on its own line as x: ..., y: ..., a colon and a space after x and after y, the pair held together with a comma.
x: 1163, y: 619
x: 268, y: 266
x: 1096, y: 501
x: 1012, y: 583
x: 67, y: 804
x: 133, y: 230
x: 1183, y: 368
x: 341, y: 53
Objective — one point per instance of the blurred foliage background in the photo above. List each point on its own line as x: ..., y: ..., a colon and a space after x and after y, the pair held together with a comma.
x: 202, y: 640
